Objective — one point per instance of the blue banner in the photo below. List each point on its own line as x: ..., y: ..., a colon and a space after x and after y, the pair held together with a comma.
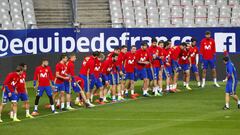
x: 38, y: 41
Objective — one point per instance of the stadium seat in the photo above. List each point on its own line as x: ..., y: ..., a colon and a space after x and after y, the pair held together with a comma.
x: 225, y: 11
x: 4, y: 5
x: 210, y: 2
x: 198, y: 2
x: 162, y: 2
x: 138, y: 3
x: 6, y: 25
x: 233, y: 2
x: 150, y: 3
x: 221, y: 2
x: 186, y: 2
x: 174, y: 2
x: 188, y: 12
x: 127, y: 3
x: 18, y: 25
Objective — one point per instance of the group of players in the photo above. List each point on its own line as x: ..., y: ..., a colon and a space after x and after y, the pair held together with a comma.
x: 112, y: 78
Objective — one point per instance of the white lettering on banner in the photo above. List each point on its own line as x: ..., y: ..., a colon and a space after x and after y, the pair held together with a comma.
x: 58, y: 43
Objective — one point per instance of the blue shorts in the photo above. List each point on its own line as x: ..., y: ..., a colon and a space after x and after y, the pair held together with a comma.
x: 67, y: 87
x: 97, y: 82
x: 86, y: 82
x: 185, y: 67
x: 142, y: 74
x: 23, y: 96
x: 114, y: 79
x: 194, y: 68
x: 41, y: 89
x: 207, y: 63
x: 175, y: 66
x: 156, y: 73
x: 168, y: 71
x: 104, y: 79
x: 76, y: 89
x: 129, y: 76
x: 59, y: 87
x: 150, y: 73
x: 135, y: 74
x: 6, y: 98
x: 231, y: 87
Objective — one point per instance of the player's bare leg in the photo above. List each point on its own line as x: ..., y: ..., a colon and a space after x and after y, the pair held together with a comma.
x: 68, y: 99
x: 1, y: 108
x: 214, y: 74
x: 145, y: 87
x: 227, y: 100
x: 27, y: 107
x: 62, y: 99
x: 197, y: 79
x: 15, y: 112
x: 156, y: 88
x: 187, y: 74
x: 175, y: 79
x: 204, y: 72
x: 160, y: 81
x: 113, y: 90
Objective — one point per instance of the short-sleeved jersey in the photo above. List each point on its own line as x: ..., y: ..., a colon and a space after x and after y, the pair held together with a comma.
x: 97, y: 68
x: 61, y: 68
x: 184, y: 57
x: 130, y: 60
x: 43, y: 75
x: 207, y: 48
x: 142, y: 55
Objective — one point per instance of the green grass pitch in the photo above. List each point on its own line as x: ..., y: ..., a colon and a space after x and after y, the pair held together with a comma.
x: 197, y: 112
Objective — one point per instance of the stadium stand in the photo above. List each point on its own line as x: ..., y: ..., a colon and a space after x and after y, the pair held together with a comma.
x: 17, y: 14
x: 22, y: 14
x: 175, y: 13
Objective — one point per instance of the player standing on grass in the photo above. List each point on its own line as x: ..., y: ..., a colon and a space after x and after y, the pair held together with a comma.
x: 208, y: 57
x: 86, y: 73
x: 168, y: 66
x: 22, y: 90
x: 231, y: 85
x: 109, y: 76
x: 62, y: 81
x: 70, y: 71
x: 155, y: 66
x: 143, y: 59
x: 10, y: 92
x: 129, y: 64
x: 41, y: 82
x: 194, y: 54
x: 161, y: 59
x: 185, y: 62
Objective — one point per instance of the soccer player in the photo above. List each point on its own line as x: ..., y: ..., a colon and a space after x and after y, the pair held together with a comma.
x: 175, y: 55
x: 41, y: 81
x: 143, y: 59
x: 153, y: 70
x: 129, y: 65
x: 86, y: 73
x: 231, y: 85
x: 96, y: 79
x: 22, y: 90
x: 62, y: 82
x: 208, y: 57
x: 121, y: 71
x: 161, y: 59
x: 185, y: 62
x: 70, y: 71
x: 194, y: 54
x: 10, y: 92
x: 109, y: 73
x: 168, y: 66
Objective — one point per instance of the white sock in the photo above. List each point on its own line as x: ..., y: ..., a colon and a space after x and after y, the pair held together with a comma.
x: 11, y: 114
x: 58, y: 102
x: 227, y: 105
x: 199, y: 83
x: 168, y: 87
x: 14, y: 115
x: 27, y: 112
x: 215, y: 80
x: 62, y: 105
x: 126, y: 91
x: 88, y: 101
x: 114, y: 97
x: 36, y: 107
x: 104, y: 98
x: 122, y: 92
x: 171, y: 87
x: 160, y: 89
x: 145, y: 92
x: 187, y: 85
x: 68, y: 104
x: 132, y: 92
x: 203, y: 80
x: 184, y: 83
x: 52, y: 107
x: 77, y: 99
x: 239, y: 102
